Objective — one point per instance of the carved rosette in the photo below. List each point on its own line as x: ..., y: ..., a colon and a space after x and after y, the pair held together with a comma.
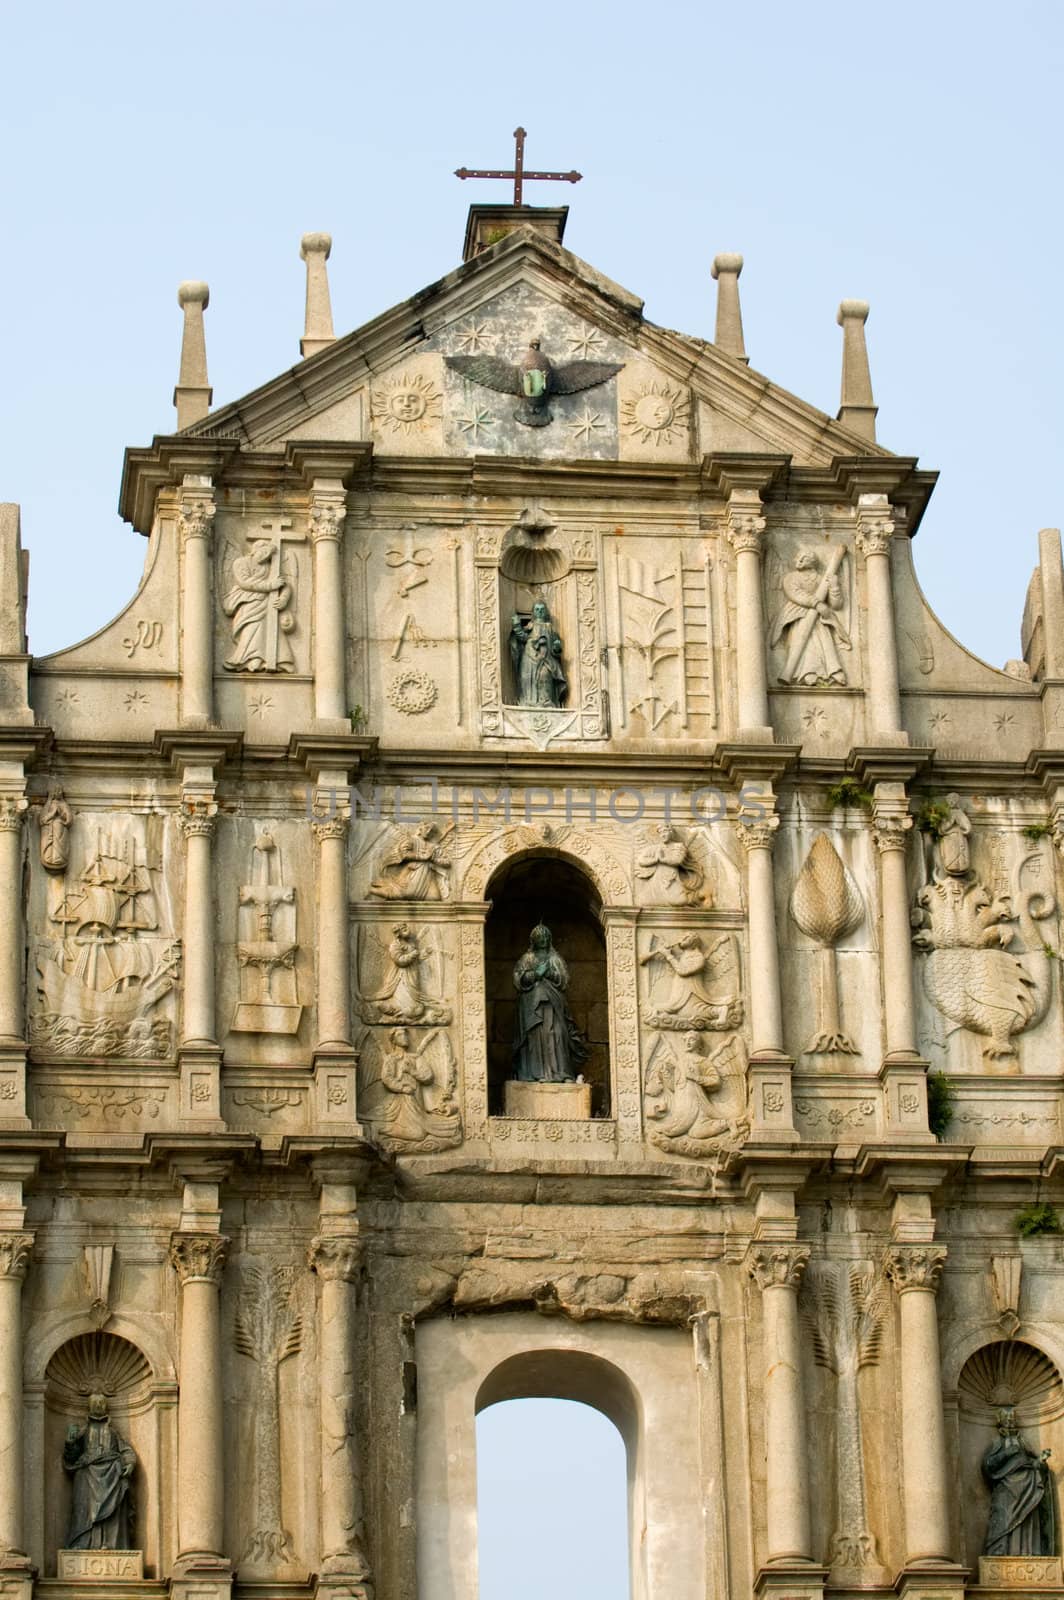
x: 474, y: 1031
x: 336, y: 1258
x: 15, y: 1252
x: 758, y: 833
x: 914, y: 1266
x: 199, y: 1257
x: 777, y: 1266
x: 195, y: 517
x: 889, y: 831
x: 330, y: 828
x: 327, y: 518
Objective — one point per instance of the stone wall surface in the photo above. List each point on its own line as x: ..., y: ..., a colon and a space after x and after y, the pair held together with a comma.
x: 269, y: 845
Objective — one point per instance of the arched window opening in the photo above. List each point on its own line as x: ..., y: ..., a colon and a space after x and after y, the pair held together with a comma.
x: 540, y: 888
x: 552, y: 1498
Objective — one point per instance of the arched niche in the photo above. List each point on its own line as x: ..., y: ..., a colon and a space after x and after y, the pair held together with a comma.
x: 1003, y: 1373
x: 644, y: 1379
x: 543, y: 886
x: 143, y: 1412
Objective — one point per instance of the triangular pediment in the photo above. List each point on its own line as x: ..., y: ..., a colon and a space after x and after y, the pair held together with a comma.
x: 672, y: 398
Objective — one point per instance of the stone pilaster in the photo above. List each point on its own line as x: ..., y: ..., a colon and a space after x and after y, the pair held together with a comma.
x: 334, y: 1057
x: 16, y: 1573
x: 199, y: 1259
x: 915, y: 1271
x: 876, y: 523
x: 328, y: 511
x: 745, y: 528
x: 195, y: 522
x: 12, y: 941
x: 776, y: 1268
x: 336, y: 1259
x: 199, y: 1053
x: 891, y: 824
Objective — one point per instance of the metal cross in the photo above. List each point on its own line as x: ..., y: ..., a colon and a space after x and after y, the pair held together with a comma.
x: 519, y: 175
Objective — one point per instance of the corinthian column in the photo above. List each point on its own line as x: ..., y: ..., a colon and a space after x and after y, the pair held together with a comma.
x: 891, y: 823
x: 758, y: 835
x: 199, y: 935
x: 875, y: 529
x: 328, y: 510
x: 915, y: 1270
x: 194, y: 523
x: 745, y: 530
x: 12, y: 813
x: 15, y: 1249
x: 199, y: 1259
x: 334, y: 996
x: 777, y: 1271
x: 337, y: 1261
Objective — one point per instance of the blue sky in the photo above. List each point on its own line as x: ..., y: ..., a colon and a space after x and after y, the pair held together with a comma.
x: 909, y: 156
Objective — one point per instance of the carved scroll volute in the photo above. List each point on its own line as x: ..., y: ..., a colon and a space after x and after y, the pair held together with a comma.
x: 826, y: 904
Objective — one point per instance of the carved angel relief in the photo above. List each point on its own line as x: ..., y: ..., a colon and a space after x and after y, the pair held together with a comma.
x: 826, y: 904
x: 416, y: 865
x: 665, y: 870
x: 401, y: 982
x: 691, y: 987
x: 266, y: 948
x: 407, y: 1090
x: 696, y: 1102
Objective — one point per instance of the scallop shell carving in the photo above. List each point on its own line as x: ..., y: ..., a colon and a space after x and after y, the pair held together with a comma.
x: 825, y: 901
x: 96, y: 1363
x: 1011, y: 1373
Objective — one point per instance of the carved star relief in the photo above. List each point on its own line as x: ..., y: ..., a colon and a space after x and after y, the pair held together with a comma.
x: 586, y: 344
x: 473, y: 337
x: 476, y: 421
x: 585, y: 427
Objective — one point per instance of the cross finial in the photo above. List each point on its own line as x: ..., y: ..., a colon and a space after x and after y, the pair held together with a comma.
x: 519, y: 175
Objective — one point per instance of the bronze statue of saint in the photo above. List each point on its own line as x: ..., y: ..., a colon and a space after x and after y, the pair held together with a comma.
x: 1023, y: 1519
x: 536, y: 654
x: 548, y: 1046
x: 101, y: 1464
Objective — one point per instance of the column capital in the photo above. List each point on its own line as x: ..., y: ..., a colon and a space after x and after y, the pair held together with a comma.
x: 336, y: 1257
x: 197, y: 824
x: 15, y: 1252
x: 914, y: 1266
x: 745, y: 524
x: 199, y: 1257
x: 776, y: 1266
x: 328, y: 513
x: 876, y: 524
x: 12, y: 813
x: 330, y: 828
x: 195, y: 515
x: 889, y: 830
x: 758, y: 833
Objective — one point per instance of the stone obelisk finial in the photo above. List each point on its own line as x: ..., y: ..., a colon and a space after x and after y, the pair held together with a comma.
x: 192, y: 397
x: 318, y: 327
x: 857, y: 409
x: 729, y: 336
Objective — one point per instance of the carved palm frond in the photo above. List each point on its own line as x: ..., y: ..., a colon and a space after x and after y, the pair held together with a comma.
x: 868, y: 1306
x: 819, y: 1313
x: 266, y: 1327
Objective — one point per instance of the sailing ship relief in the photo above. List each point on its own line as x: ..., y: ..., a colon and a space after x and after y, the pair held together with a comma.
x: 101, y: 983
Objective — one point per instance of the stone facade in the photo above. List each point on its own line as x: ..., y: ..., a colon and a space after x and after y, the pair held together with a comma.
x: 270, y: 844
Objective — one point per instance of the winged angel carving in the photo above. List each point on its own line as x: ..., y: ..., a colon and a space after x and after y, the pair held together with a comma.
x: 535, y: 377
x: 401, y: 982
x: 408, y: 1089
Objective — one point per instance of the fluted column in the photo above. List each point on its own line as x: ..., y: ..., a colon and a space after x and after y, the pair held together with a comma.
x: 891, y: 823
x: 334, y: 998
x: 15, y: 1250
x: 12, y: 814
x: 777, y: 1271
x: 199, y: 1260
x: 195, y: 522
x: 337, y: 1261
x: 758, y: 835
x: 327, y: 513
x: 198, y: 1021
x: 915, y: 1271
x: 875, y: 529
x: 745, y: 530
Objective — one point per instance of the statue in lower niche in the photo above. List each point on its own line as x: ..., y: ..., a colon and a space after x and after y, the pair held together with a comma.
x: 1023, y: 1519
x: 101, y: 1464
x: 548, y: 1046
x: 536, y: 654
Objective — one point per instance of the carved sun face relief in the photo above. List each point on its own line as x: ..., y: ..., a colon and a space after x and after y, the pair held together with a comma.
x: 656, y: 413
x: 406, y: 404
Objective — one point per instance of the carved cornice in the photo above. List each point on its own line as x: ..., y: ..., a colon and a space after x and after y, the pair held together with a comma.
x: 199, y: 1257
x: 914, y: 1266
x: 758, y: 833
x: 15, y: 1252
x: 336, y: 1258
x: 776, y: 1266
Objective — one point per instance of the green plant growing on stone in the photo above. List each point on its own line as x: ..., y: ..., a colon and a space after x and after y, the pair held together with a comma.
x: 941, y: 1098
x: 1037, y: 830
x: 1038, y: 1218
x: 358, y: 718
x: 848, y: 792
x: 932, y: 817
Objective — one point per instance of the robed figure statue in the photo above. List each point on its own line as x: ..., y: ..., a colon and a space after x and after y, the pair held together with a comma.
x: 1023, y: 1519
x: 101, y: 1464
x: 548, y: 1046
x: 536, y: 655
